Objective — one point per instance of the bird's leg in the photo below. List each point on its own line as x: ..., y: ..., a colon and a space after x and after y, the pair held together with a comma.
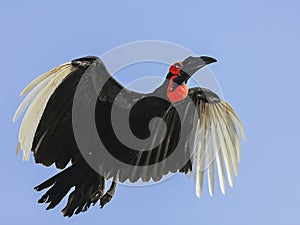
x: 98, y: 193
x: 109, y: 194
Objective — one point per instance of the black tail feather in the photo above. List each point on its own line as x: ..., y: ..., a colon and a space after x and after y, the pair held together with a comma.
x: 187, y: 167
x: 81, y: 176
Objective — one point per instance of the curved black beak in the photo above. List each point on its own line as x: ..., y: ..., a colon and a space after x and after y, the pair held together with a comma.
x: 192, y: 64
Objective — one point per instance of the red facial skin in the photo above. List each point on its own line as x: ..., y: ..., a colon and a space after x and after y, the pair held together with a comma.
x: 175, y: 68
x: 180, y: 91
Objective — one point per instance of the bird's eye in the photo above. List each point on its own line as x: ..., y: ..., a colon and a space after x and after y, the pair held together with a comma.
x: 178, y: 65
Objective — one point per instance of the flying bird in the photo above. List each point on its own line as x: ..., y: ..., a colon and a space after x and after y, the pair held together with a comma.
x: 77, y: 117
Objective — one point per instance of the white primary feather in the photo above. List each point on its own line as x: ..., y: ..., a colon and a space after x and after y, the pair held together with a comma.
x: 18, y: 149
x: 214, y: 148
x: 218, y: 143
x: 41, y: 90
x: 42, y: 77
x: 223, y: 137
x: 29, y: 98
x: 221, y: 173
x: 230, y: 111
x: 233, y: 141
x: 201, y: 144
x: 211, y: 178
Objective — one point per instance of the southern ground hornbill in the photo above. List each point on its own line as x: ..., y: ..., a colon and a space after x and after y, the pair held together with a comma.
x: 78, y: 113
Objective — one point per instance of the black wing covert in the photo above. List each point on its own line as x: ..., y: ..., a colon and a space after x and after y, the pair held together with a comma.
x: 49, y: 116
x: 70, y: 112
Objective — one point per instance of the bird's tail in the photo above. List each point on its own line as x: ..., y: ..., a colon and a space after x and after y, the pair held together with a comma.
x: 89, y: 187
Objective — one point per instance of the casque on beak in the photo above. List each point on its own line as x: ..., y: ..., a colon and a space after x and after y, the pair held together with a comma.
x: 192, y: 64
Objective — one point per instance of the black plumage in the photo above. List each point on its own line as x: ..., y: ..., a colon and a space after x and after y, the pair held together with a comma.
x: 55, y: 141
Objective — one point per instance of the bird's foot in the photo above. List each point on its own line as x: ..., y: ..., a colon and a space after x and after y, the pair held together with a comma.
x: 96, y: 195
x: 105, y: 199
x: 108, y: 195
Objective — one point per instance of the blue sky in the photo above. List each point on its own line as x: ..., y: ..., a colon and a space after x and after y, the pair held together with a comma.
x: 257, y: 47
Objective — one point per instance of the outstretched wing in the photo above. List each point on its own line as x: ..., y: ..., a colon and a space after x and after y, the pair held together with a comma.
x: 46, y: 128
x: 204, y: 131
x: 217, y: 140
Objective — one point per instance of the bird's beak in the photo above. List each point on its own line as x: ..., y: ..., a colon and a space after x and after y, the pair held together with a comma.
x: 192, y: 64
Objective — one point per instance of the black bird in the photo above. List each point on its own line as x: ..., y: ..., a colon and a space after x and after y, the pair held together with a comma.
x: 78, y: 113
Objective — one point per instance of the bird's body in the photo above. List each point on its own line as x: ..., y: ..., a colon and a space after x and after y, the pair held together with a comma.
x: 82, y: 114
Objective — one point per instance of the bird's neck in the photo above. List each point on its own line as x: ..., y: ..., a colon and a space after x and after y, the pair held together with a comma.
x: 166, y: 91
x: 162, y: 89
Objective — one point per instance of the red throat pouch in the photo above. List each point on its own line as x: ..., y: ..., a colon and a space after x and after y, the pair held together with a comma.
x: 179, y: 93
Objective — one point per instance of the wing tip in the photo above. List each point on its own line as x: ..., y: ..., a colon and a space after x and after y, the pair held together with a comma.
x: 25, y: 156
x: 198, y: 193
x: 16, y: 116
x: 18, y: 149
x: 223, y: 191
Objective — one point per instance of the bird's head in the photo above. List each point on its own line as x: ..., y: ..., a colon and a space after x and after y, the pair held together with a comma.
x: 181, y: 72
x: 189, y: 67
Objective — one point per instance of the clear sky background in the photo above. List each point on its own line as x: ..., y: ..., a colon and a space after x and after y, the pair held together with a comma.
x: 257, y: 47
